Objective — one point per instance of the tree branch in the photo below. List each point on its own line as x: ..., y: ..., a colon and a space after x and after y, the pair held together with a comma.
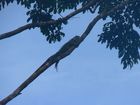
x: 33, y: 25
x: 103, y: 14
x: 58, y: 55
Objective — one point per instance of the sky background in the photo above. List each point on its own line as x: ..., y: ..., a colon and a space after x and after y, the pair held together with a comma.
x: 91, y: 75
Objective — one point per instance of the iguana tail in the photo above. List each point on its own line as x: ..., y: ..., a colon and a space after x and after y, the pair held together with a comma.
x: 56, y: 66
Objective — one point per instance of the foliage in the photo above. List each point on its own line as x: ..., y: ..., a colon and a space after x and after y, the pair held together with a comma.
x: 119, y: 33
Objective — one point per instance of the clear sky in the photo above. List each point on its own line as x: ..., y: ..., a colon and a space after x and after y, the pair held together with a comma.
x: 91, y: 75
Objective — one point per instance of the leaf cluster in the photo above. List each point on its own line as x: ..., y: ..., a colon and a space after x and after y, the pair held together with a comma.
x: 43, y: 11
x: 121, y: 34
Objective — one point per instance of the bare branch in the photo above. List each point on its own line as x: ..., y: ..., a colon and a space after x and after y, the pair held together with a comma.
x: 33, y: 25
x: 16, y: 31
x: 62, y: 53
x: 91, y: 3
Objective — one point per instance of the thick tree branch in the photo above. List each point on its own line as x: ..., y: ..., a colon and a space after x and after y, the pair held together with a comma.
x: 50, y: 61
x: 33, y: 25
x: 62, y: 53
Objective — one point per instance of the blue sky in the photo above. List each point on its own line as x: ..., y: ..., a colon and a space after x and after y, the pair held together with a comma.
x: 91, y: 75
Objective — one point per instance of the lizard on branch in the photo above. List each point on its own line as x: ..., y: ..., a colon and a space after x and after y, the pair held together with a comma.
x: 68, y: 48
